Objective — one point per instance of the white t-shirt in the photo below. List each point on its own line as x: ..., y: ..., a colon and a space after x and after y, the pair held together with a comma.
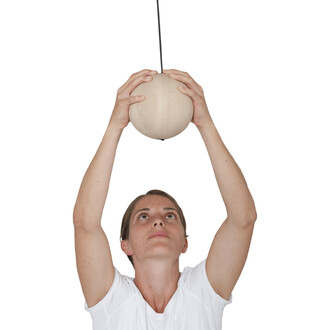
x: 194, y: 305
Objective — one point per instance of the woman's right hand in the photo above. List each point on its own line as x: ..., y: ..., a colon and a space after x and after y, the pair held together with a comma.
x: 120, y: 113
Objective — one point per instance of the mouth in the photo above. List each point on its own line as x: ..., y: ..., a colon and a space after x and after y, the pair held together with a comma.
x: 159, y: 234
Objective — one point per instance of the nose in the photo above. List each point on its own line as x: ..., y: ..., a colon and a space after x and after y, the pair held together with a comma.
x: 158, y: 221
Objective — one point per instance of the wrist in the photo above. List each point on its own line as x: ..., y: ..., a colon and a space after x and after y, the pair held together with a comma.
x: 206, y: 126
x: 115, y: 127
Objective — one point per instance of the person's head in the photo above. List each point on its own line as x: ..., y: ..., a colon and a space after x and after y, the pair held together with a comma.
x: 154, y: 211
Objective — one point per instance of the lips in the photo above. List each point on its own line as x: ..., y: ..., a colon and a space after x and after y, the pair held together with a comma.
x: 158, y: 233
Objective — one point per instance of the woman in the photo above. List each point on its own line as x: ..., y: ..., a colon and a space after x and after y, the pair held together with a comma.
x: 154, y: 236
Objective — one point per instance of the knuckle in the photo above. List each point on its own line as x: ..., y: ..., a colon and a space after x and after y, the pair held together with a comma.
x: 119, y: 95
x: 144, y: 71
x: 122, y: 101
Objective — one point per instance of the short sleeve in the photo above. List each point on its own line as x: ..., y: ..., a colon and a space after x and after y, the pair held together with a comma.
x: 206, y: 281
x: 107, y: 297
x: 119, y: 293
x: 198, y: 283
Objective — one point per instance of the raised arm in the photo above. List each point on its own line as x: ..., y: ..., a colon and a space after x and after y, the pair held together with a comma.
x: 231, y: 243
x: 93, y: 255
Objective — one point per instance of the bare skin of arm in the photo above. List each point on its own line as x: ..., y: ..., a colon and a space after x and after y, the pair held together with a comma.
x: 231, y: 243
x: 93, y: 255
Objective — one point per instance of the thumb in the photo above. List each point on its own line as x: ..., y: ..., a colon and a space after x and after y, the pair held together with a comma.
x: 136, y: 98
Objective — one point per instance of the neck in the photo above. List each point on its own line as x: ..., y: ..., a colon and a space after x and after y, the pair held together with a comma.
x: 157, y: 282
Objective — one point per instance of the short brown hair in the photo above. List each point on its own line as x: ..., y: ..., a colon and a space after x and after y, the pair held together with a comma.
x: 124, y: 231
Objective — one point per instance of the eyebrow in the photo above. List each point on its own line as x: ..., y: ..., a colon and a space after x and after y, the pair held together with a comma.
x: 170, y: 208
x: 145, y: 209
x: 165, y: 208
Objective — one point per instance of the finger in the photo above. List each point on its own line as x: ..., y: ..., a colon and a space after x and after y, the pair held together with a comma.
x: 136, y: 75
x: 135, y: 99
x: 137, y: 81
x: 130, y: 85
x: 189, y: 81
x: 142, y: 72
x: 178, y: 72
x: 174, y: 71
x: 130, y: 100
x: 188, y: 91
x: 185, y: 74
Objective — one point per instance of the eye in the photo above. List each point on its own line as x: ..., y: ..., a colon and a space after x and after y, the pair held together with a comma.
x: 171, y: 216
x: 143, y: 216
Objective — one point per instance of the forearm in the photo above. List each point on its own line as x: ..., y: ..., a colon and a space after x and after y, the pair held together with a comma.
x: 95, y: 184
x: 231, y: 182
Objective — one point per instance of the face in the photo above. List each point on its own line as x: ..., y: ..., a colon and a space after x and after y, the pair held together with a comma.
x: 152, y: 214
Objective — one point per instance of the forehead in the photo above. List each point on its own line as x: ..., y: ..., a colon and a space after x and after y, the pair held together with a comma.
x: 151, y: 201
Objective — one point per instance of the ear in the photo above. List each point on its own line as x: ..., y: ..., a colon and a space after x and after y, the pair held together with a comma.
x: 185, y: 247
x: 125, y: 247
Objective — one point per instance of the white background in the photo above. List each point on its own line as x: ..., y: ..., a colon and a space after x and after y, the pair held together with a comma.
x: 264, y: 67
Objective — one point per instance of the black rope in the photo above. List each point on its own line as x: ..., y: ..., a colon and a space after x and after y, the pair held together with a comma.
x: 160, y: 40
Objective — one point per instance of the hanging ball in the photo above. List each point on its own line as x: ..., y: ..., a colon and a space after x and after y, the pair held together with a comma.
x: 165, y: 112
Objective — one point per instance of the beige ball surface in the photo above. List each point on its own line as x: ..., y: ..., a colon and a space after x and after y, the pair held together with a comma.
x: 165, y: 112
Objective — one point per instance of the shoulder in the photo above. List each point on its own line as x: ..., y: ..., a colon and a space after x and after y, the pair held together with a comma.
x: 122, y: 288
x: 196, y: 281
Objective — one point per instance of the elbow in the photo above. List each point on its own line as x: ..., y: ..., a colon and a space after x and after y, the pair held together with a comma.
x: 249, y: 219
x: 88, y: 225
x: 77, y: 216
x: 252, y: 215
x: 253, y: 218
x: 244, y: 218
x: 251, y: 212
x: 84, y: 220
x: 78, y: 220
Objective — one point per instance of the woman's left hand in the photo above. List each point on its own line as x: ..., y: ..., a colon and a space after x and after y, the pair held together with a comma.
x: 201, y: 116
